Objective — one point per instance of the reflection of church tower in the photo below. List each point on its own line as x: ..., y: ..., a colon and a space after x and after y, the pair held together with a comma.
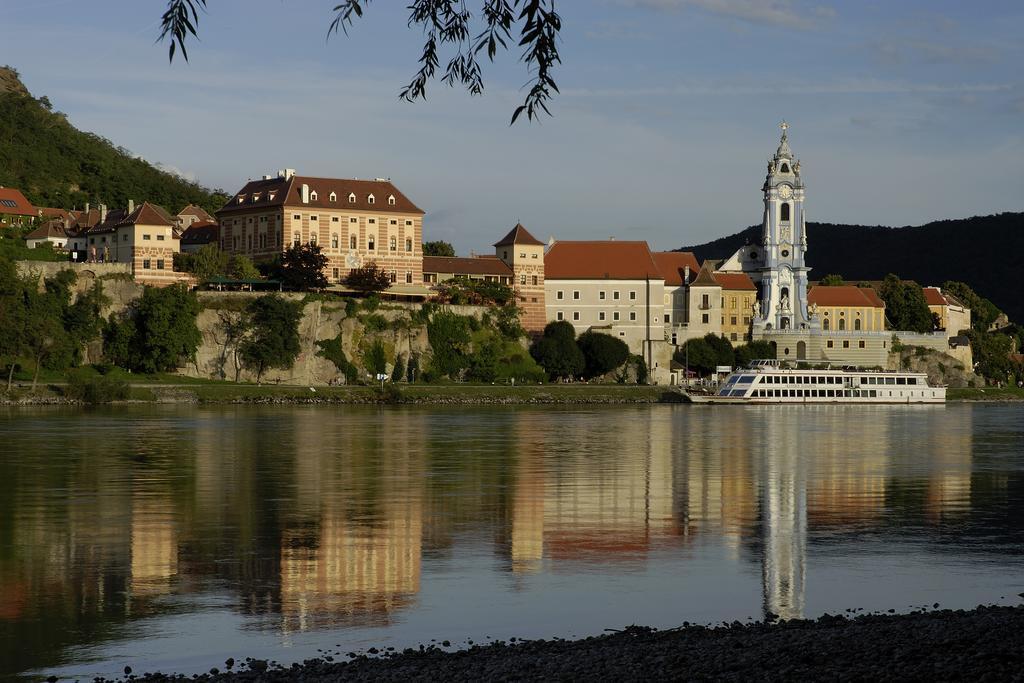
x: 785, y: 529
x: 783, y: 276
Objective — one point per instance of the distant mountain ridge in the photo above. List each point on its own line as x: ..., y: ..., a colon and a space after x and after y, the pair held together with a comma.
x: 56, y: 165
x: 986, y: 252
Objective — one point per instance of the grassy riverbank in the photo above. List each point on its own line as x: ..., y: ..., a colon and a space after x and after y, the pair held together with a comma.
x: 985, y: 394
x: 166, y: 390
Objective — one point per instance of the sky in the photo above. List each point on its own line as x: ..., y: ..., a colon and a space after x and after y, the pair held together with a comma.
x: 901, y: 112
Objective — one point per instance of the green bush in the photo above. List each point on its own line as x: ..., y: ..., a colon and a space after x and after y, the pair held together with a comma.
x: 95, y: 390
x: 374, y: 322
x: 602, y: 353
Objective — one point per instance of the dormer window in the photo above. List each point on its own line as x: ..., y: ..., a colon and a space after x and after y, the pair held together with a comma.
x: 255, y: 197
x: 333, y: 197
x: 391, y: 200
x: 241, y: 198
x: 370, y: 199
x: 352, y: 198
x: 312, y: 196
x: 270, y: 197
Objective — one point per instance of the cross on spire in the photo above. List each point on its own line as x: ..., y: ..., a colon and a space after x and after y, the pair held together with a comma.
x: 784, y: 126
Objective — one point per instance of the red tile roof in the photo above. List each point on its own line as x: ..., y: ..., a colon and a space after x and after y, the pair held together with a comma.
x: 148, y: 214
x: 202, y: 232
x: 198, y: 211
x: 934, y: 296
x: 705, y: 278
x: 48, y: 229
x: 47, y: 212
x: 596, y: 260
x: 518, y: 235
x: 465, y: 266
x: 288, y: 192
x: 13, y: 203
x: 844, y: 295
x: 735, y: 281
x: 672, y: 265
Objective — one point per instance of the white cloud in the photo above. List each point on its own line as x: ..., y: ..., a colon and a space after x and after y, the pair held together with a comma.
x: 784, y: 13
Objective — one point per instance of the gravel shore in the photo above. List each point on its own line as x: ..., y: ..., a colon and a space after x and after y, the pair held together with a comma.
x: 983, y: 644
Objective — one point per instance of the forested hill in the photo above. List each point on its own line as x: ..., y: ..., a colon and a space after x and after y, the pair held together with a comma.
x: 56, y: 165
x: 986, y: 252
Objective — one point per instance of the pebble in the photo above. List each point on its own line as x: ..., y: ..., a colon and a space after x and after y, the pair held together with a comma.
x: 984, y: 644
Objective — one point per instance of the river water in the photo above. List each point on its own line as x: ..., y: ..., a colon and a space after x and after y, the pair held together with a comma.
x: 172, y: 537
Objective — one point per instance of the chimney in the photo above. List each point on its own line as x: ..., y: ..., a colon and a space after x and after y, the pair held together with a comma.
x: 280, y: 173
x: 686, y: 275
x: 131, y: 206
x: 87, y: 208
x: 305, y: 193
x: 103, y: 213
x: 289, y: 173
x: 266, y: 177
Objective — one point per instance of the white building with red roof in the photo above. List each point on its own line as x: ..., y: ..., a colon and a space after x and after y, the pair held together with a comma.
x: 610, y: 286
x: 15, y: 209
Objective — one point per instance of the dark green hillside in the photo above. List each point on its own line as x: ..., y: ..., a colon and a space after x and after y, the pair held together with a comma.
x: 55, y: 164
x: 986, y: 252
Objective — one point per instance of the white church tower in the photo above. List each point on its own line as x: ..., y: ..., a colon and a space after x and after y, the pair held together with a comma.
x: 783, y: 271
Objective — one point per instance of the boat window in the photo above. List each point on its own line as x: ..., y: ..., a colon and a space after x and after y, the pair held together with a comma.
x: 911, y: 380
x: 745, y: 379
x: 901, y: 380
x: 890, y: 380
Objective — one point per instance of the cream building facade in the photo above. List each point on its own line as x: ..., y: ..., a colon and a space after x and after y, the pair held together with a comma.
x: 356, y: 222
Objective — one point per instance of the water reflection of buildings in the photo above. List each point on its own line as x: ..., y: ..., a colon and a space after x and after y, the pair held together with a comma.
x: 608, y: 498
x: 327, y: 522
x: 348, y: 555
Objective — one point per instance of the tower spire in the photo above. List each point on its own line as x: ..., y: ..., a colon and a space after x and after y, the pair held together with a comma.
x: 784, y: 150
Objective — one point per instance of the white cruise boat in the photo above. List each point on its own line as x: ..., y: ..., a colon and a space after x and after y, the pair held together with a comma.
x: 768, y: 381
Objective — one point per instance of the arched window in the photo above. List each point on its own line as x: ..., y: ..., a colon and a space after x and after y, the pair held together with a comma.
x: 297, y: 239
x: 313, y: 196
x: 784, y: 211
x: 371, y: 243
x: 352, y: 242
x: 352, y: 198
x: 391, y: 200
x: 825, y: 324
x: 371, y: 199
x: 842, y: 324
x: 856, y: 324
x: 785, y: 167
x: 334, y: 197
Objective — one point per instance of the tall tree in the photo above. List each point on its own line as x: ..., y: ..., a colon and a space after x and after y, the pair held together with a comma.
x: 438, y: 248
x: 602, y: 353
x: 165, y: 332
x: 12, y: 313
x: 302, y: 267
x: 905, y: 305
x: 556, y: 351
x: 446, y: 24
x: 273, y: 341
x: 369, y: 279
